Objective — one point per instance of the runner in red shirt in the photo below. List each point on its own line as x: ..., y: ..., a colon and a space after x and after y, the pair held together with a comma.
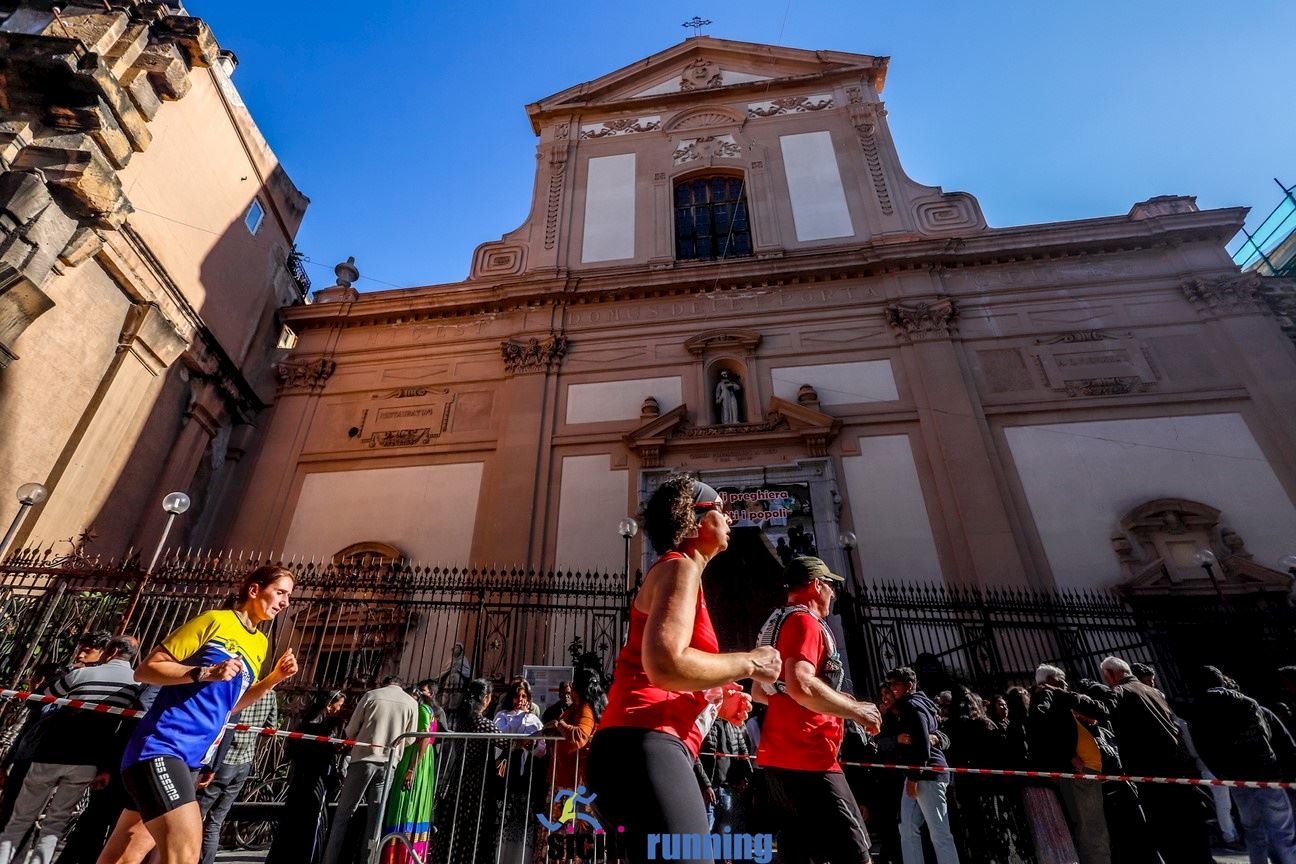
x: 804, y: 722
x: 670, y: 681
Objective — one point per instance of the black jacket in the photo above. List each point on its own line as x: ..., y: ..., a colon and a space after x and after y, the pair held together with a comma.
x: 1238, y: 739
x: 1146, y: 730
x: 1051, y: 727
x: 916, y: 716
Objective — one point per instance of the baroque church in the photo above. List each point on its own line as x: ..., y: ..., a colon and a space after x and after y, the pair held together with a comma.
x: 726, y: 270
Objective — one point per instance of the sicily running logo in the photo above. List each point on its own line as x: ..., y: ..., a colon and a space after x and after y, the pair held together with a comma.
x: 569, y: 815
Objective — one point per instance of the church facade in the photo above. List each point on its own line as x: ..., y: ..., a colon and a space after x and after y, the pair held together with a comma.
x: 726, y: 270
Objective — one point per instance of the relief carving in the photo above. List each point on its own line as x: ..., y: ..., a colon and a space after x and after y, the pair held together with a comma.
x: 701, y: 75
x: 790, y: 105
x: 534, y: 355
x: 308, y: 375
x: 707, y: 147
x: 865, y: 117
x: 406, y: 424
x: 922, y: 320
x: 1232, y: 293
x: 625, y: 126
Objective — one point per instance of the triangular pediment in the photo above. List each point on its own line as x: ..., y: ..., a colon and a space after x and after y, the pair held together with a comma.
x: 785, y: 422
x: 706, y: 63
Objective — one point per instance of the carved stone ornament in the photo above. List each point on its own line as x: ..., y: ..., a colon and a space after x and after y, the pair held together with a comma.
x: 303, y: 374
x: 790, y: 105
x: 707, y: 147
x: 405, y: 417
x: 922, y: 320
x: 1233, y: 293
x: 624, y: 126
x: 701, y: 75
x: 1107, y: 386
x: 534, y: 355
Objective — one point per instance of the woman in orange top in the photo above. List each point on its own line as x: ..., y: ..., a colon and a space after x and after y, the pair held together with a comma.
x: 576, y: 726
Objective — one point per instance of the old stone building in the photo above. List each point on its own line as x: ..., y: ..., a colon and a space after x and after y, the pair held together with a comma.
x: 726, y: 270
x: 145, y: 239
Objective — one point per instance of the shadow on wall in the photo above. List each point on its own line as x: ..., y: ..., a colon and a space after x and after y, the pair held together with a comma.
x: 201, y: 437
x: 743, y: 585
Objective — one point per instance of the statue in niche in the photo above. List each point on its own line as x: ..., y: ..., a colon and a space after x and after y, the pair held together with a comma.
x: 726, y: 397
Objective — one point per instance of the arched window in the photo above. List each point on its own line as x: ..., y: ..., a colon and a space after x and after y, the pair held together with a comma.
x: 711, y: 219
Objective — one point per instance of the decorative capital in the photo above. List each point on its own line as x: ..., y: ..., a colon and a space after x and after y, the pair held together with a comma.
x: 534, y: 355
x: 923, y: 320
x: 1238, y: 293
x: 304, y: 375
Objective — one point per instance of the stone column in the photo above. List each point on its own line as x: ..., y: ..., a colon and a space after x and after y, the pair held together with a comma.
x: 512, y: 511
x: 973, y: 516
x: 99, y: 447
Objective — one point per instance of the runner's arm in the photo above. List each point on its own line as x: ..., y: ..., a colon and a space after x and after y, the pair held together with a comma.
x: 668, y: 658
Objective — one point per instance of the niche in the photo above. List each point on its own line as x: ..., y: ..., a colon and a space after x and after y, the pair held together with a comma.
x: 727, y: 392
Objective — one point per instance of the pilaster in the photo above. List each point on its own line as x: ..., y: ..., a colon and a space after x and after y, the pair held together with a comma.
x: 972, y: 513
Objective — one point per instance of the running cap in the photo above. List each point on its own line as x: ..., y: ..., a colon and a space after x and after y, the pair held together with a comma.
x: 804, y: 569
x: 706, y: 498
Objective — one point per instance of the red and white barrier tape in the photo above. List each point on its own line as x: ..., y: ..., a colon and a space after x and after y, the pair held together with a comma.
x: 100, y: 708
x: 1057, y: 775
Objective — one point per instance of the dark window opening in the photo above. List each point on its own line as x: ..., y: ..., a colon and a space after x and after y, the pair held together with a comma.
x: 711, y: 219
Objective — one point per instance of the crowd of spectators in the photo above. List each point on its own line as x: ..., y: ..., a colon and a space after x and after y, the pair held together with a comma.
x: 481, y: 794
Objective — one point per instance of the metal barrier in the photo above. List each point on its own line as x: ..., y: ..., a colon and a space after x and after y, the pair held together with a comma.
x: 503, y: 815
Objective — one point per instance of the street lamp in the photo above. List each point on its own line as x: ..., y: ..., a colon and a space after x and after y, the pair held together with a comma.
x: 29, y: 495
x: 848, y: 542
x: 1206, y: 558
x: 174, y: 504
x: 627, y: 528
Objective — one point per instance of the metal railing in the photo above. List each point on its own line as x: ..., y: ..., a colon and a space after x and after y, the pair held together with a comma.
x: 515, y: 809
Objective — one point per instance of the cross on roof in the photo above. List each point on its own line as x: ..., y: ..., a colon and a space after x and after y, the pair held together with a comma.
x: 697, y: 24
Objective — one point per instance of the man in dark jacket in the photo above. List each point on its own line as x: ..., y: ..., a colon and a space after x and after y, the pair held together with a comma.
x: 1060, y: 740
x: 924, y: 799
x: 1152, y: 745
x: 1239, y: 739
x: 78, y: 749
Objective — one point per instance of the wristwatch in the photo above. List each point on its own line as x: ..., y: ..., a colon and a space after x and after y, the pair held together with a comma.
x: 196, y: 674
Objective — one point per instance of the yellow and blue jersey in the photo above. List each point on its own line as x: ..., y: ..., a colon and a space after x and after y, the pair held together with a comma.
x: 187, y: 719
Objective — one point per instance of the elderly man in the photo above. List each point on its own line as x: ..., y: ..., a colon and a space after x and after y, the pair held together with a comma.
x: 1152, y: 745
x: 1061, y: 740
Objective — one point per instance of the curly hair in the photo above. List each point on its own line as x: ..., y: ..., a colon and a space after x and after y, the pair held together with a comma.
x: 668, y: 517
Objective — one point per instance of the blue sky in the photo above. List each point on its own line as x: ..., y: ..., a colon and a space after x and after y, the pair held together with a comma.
x: 405, y: 124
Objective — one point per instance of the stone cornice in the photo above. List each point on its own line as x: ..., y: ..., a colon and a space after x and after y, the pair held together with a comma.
x: 987, y: 248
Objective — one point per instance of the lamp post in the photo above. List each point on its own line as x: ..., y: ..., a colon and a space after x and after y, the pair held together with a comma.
x: 29, y: 495
x: 1206, y: 558
x: 627, y: 528
x: 848, y: 541
x: 174, y: 504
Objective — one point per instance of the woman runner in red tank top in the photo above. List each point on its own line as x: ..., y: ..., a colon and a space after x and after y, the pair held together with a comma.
x: 659, y: 708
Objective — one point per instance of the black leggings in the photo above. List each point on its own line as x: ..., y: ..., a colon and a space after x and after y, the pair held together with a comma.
x: 645, y: 781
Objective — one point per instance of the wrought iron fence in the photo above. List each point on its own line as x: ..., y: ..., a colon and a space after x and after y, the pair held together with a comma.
x: 991, y: 639
x: 349, y: 623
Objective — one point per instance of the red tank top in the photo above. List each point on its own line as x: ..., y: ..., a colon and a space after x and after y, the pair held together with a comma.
x: 636, y: 702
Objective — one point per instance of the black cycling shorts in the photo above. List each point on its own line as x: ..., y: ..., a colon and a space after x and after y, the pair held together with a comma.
x: 158, y: 785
